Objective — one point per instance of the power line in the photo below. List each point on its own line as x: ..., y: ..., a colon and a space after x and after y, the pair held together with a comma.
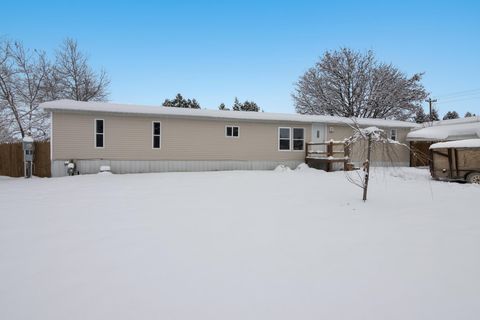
x: 458, y: 100
x: 471, y: 95
x: 460, y: 93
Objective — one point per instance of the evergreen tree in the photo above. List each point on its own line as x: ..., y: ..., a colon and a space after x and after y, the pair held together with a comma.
x: 250, y: 106
x: 180, y: 102
x: 451, y: 115
x: 223, y: 107
x: 237, y: 106
x: 246, y: 106
x: 420, y: 116
x: 194, y: 104
x: 469, y: 114
x: 434, y: 116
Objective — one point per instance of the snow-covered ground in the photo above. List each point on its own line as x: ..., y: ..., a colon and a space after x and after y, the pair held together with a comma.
x: 239, y: 245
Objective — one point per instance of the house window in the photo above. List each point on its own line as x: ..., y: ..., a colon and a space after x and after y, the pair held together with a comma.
x: 232, y: 131
x: 298, y: 138
x: 284, y: 138
x: 393, y: 134
x: 99, y: 133
x: 291, y: 139
x: 156, y: 135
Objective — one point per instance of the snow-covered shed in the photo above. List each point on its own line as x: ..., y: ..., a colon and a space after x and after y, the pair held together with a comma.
x: 446, y: 130
x: 456, y: 160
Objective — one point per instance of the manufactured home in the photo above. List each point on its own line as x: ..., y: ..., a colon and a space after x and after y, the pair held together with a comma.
x: 135, y: 139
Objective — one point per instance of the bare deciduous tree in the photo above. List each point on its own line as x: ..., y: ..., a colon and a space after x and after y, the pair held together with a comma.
x: 370, y: 141
x: 353, y: 84
x: 27, y: 79
x: 23, y: 75
x: 73, y: 78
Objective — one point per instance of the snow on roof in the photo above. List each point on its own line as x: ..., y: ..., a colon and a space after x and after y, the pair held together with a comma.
x: 104, y: 107
x: 468, y: 143
x: 452, y: 121
x: 452, y: 130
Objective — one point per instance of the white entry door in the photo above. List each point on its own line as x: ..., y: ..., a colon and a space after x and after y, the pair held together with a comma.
x: 319, y: 134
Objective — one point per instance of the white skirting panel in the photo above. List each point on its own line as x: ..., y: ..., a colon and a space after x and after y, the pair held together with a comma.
x: 382, y: 164
x: 143, y: 166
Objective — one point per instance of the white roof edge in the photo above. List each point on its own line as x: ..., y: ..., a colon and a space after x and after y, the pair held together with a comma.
x: 130, y: 109
x: 452, y: 121
x: 467, y: 143
x: 452, y: 131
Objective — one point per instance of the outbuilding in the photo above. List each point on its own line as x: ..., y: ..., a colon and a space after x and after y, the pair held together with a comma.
x: 456, y: 160
x: 440, y: 131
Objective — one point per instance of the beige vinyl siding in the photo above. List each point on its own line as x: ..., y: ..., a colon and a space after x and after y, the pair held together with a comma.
x: 382, y: 152
x: 130, y: 138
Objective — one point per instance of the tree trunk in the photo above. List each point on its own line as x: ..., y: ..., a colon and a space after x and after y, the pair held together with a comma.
x: 367, y: 167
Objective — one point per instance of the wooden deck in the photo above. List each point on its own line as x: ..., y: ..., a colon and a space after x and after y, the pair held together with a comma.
x: 335, y: 152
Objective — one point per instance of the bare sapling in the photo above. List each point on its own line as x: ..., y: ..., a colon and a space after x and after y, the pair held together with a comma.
x: 365, y: 143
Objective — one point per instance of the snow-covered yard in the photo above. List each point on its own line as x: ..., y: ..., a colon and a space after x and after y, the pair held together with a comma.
x: 239, y: 245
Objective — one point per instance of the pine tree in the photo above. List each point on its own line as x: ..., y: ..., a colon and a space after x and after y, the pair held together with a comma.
x: 434, y: 116
x: 237, y: 106
x: 223, y: 107
x: 180, y: 102
x: 246, y: 106
x: 167, y: 103
x: 194, y: 104
x: 250, y: 106
x: 420, y: 116
x: 451, y: 115
x: 469, y: 114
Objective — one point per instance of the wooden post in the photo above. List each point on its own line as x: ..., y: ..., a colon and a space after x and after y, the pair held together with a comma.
x: 306, y: 153
x: 346, y: 155
x: 455, y: 153
x: 450, y: 163
x: 431, y: 164
x: 367, y: 167
x: 329, y: 154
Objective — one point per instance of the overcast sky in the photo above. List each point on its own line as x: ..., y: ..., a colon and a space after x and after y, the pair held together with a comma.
x: 215, y: 52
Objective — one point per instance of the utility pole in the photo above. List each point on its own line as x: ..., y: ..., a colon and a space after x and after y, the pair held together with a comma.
x: 430, y: 102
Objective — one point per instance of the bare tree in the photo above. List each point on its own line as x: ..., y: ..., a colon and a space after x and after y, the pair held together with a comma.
x: 73, y: 78
x: 23, y: 75
x: 27, y: 79
x: 367, y: 142
x: 353, y: 84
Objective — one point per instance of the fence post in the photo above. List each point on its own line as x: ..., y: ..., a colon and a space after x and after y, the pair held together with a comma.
x: 306, y: 152
x: 346, y: 154
x: 329, y: 154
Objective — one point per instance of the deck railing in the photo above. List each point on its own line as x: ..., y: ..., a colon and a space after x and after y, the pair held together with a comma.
x: 330, y: 155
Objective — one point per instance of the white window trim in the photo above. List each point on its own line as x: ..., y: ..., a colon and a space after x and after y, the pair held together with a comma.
x: 396, y: 134
x: 289, y: 138
x: 51, y: 135
x: 153, y: 135
x: 95, y: 133
x: 232, y: 136
x: 303, y: 146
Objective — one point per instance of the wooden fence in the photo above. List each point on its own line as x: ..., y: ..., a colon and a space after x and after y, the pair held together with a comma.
x: 11, y: 159
x: 325, y: 159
